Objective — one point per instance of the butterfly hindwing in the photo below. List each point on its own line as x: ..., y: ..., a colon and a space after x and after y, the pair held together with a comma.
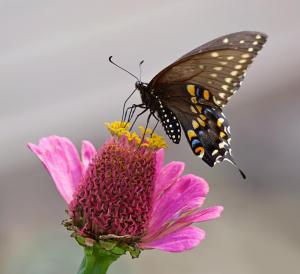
x: 209, y: 138
x: 205, y: 126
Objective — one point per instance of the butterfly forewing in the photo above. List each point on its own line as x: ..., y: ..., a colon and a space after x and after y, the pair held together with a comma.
x: 219, y: 65
x: 243, y: 40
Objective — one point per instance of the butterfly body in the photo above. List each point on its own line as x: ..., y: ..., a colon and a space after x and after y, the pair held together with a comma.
x: 147, y: 96
x: 156, y: 99
x: 189, y: 94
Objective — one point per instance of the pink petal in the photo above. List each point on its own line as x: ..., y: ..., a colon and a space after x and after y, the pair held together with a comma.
x: 186, y: 194
x: 178, y: 241
x: 160, y: 155
x: 203, y: 215
x: 61, y: 159
x: 167, y: 176
x: 88, y: 151
x: 195, y: 217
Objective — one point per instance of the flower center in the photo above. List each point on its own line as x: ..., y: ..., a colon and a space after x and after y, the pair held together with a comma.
x: 115, y: 194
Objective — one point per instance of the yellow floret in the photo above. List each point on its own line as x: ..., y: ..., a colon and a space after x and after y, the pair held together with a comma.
x: 150, y: 140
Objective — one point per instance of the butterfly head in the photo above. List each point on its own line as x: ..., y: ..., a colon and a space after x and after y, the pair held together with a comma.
x: 142, y: 87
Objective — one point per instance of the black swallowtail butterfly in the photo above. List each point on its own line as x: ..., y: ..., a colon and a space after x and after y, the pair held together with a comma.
x: 191, y: 92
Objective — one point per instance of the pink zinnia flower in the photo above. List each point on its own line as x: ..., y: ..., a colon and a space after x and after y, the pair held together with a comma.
x: 124, y: 193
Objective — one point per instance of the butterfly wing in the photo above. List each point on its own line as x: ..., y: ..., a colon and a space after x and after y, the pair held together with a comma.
x: 205, y: 126
x: 218, y: 66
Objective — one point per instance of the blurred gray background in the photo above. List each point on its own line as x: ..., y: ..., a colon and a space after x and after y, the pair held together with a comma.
x: 55, y: 79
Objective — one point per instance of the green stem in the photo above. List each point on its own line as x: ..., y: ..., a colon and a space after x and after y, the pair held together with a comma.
x: 96, y: 261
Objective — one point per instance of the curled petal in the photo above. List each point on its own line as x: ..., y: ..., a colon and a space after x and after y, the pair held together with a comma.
x: 202, y: 215
x: 178, y: 241
x: 195, y: 217
x: 61, y: 159
x: 88, y: 151
x: 186, y: 194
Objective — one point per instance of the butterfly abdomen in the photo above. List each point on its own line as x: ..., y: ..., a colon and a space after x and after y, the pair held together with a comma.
x: 151, y: 99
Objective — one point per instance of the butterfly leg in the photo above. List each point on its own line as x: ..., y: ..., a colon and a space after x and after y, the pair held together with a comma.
x: 147, y: 124
x: 157, y: 122
x: 131, y: 111
x: 135, y: 108
x: 141, y: 113
x: 126, y: 115
x: 124, y: 105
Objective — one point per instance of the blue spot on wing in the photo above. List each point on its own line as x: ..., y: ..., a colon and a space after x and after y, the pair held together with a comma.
x: 195, y: 142
x: 198, y: 92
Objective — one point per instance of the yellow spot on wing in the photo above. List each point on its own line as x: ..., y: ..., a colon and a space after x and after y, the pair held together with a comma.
x: 195, y: 124
x: 217, y: 102
x: 222, y: 145
x: 215, y: 152
x: 245, y: 55
x: 191, y: 89
x: 225, y: 40
x: 220, y: 122
x: 203, y: 117
x: 222, y: 95
x: 201, y: 122
x: 222, y: 134
x: 191, y: 134
x: 193, y: 109
x: 225, y: 87
x: 199, y: 108
x: 194, y: 100
x: 214, y: 54
x: 206, y: 94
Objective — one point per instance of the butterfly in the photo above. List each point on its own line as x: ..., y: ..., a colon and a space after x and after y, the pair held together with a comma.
x: 189, y: 94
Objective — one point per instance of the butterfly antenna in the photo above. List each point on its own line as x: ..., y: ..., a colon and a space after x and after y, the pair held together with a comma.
x: 110, y: 60
x: 140, y: 67
x: 231, y: 160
